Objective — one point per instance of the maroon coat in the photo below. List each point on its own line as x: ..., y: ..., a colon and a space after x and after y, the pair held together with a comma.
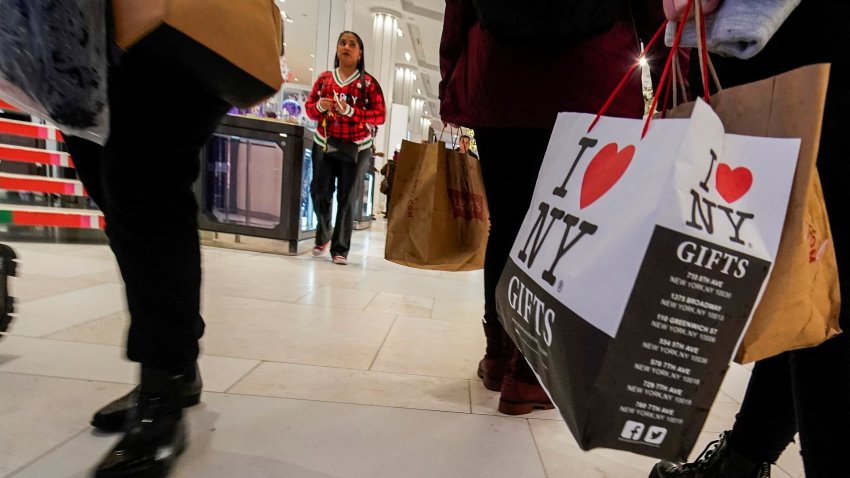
x: 488, y: 83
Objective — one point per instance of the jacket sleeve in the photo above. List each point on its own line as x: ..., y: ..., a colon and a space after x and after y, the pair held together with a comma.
x: 459, y: 17
x: 312, y: 104
x: 377, y: 113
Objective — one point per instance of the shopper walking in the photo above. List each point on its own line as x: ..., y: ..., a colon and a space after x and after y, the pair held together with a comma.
x: 555, y: 70
x: 348, y: 104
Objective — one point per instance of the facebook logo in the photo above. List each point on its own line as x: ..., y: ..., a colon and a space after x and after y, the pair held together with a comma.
x: 633, y: 430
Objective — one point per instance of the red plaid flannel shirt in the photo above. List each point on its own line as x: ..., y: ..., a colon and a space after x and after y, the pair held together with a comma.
x: 366, y: 108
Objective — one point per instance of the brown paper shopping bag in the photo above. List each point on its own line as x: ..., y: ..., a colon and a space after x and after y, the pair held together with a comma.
x: 233, y: 48
x: 439, y: 218
x: 800, y: 304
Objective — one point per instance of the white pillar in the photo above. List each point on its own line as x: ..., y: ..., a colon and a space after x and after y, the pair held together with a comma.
x: 405, y: 76
x: 417, y: 106
x: 332, y: 19
x: 379, y: 62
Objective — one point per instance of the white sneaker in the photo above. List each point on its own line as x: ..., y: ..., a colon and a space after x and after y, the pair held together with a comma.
x: 341, y: 260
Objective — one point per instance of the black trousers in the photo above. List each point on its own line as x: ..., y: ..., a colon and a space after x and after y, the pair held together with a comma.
x: 331, y: 174
x: 808, y: 391
x: 142, y: 181
x: 510, y: 163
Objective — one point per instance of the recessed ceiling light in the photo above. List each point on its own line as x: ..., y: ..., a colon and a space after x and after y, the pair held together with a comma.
x: 407, y: 56
x: 312, y: 55
x: 418, y: 91
x: 400, y: 33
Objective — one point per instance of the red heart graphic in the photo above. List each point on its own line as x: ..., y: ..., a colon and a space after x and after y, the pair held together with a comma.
x: 732, y: 184
x: 603, y: 172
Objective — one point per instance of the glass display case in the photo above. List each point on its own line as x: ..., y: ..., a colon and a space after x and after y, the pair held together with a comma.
x: 255, y: 180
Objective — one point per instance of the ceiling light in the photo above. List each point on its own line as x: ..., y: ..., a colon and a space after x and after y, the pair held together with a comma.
x: 284, y: 43
x: 643, y: 61
x: 407, y: 56
x: 418, y: 91
x: 312, y: 55
x: 400, y: 33
x: 311, y: 69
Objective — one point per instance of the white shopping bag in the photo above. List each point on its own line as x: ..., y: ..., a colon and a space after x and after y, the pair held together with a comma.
x: 637, y: 268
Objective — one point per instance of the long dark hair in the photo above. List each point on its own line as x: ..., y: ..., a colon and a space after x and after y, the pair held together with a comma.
x: 361, y: 64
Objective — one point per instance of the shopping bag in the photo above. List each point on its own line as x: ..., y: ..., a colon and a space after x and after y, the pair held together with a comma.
x: 439, y: 217
x: 232, y: 48
x: 53, y: 63
x: 637, y: 267
x: 800, y: 305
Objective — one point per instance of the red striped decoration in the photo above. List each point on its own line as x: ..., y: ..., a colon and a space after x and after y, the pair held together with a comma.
x: 30, y: 155
x: 29, y: 130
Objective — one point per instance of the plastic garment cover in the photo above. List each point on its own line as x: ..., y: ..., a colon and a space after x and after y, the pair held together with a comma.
x: 53, y: 62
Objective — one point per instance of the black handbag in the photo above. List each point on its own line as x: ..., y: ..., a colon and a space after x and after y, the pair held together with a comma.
x: 342, y: 150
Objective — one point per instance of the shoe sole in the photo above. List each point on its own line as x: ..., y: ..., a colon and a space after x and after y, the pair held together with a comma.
x: 160, y: 469
x: 511, y: 408
x: 489, y: 383
x: 10, y: 269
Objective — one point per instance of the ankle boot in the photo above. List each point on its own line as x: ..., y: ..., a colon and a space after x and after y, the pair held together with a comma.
x: 718, y: 460
x: 491, y: 368
x: 155, y: 434
x: 8, y: 268
x: 521, y: 391
x: 112, y: 417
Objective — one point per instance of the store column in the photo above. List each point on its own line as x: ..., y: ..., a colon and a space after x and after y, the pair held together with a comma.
x: 333, y: 15
x: 380, y: 62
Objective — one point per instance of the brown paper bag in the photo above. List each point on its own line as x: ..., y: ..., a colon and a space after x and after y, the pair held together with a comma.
x: 800, y: 305
x: 232, y: 48
x: 439, y: 218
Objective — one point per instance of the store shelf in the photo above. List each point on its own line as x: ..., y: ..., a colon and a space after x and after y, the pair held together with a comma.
x: 29, y: 130
x: 19, y: 182
x: 50, y: 217
x: 32, y: 155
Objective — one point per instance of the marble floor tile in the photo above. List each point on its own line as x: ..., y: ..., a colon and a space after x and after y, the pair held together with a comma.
x: 355, y: 386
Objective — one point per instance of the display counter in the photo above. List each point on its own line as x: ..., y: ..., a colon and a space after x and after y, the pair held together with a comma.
x: 255, y: 182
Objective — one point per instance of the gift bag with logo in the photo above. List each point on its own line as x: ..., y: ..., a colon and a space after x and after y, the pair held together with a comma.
x: 637, y: 268
x: 232, y: 48
x: 438, y: 218
x: 801, y: 302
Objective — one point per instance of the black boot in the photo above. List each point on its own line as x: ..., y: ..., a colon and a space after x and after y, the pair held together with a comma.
x: 113, y: 416
x: 155, y: 434
x: 718, y: 460
x: 8, y: 268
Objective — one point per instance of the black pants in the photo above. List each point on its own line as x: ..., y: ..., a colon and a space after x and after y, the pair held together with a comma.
x: 331, y: 174
x: 510, y: 163
x: 142, y: 181
x: 799, y: 391
x: 808, y: 391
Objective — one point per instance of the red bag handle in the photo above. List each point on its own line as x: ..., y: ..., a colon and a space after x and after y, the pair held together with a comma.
x: 664, y: 84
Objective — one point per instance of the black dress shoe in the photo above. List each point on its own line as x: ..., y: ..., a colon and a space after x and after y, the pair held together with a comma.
x: 113, y: 417
x: 8, y: 268
x: 155, y: 435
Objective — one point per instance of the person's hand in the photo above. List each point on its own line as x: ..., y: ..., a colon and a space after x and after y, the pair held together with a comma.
x: 674, y: 8
x: 341, y: 106
x: 326, y: 104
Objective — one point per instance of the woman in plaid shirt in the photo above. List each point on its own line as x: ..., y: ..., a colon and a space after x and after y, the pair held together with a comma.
x: 348, y: 104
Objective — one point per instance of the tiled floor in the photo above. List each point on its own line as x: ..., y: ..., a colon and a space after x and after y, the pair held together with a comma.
x: 311, y: 370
